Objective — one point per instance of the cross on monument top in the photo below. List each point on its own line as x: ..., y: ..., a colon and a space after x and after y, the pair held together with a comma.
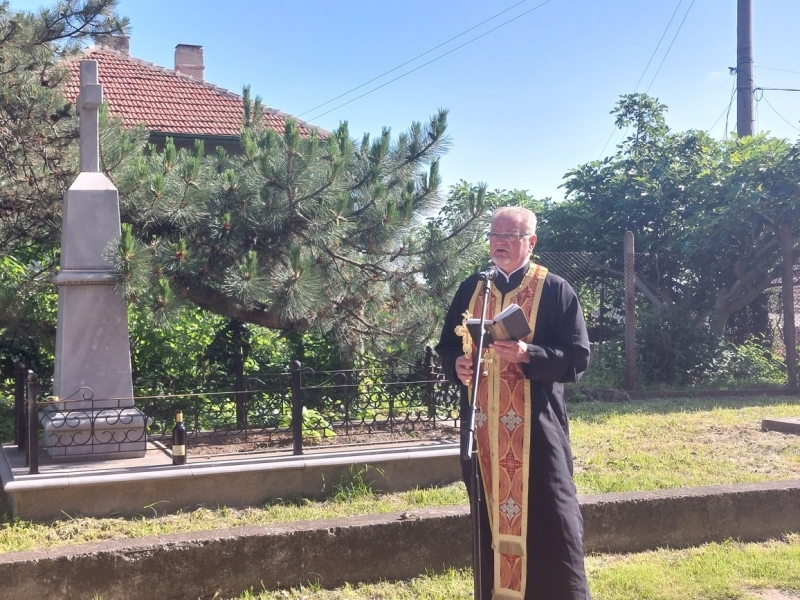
x: 89, y: 102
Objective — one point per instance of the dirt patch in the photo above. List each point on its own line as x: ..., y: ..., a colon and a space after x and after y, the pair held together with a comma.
x: 774, y: 595
x: 254, y: 442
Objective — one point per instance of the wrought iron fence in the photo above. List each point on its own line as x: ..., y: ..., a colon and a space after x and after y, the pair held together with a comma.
x: 294, y: 408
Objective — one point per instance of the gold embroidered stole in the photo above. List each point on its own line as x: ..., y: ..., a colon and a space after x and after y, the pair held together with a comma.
x: 503, y: 433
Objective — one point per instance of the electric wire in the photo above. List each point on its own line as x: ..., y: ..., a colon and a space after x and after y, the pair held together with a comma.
x: 726, y: 111
x: 771, y: 89
x: 427, y: 63
x: 774, y: 69
x: 776, y: 112
x: 755, y: 127
x: 658, y: 45
x: 413, y: 59
x: 674, y: 37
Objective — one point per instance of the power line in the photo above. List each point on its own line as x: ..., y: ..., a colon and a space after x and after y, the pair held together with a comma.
x: 756, y: 119
x: 661, y: 39
x: 726, y: 111
x: 644, y: 71
x: 420, y: 56
x: 777, y: 113
x: 774, y: 69
x: 771, y: 89
x: 670, y: 46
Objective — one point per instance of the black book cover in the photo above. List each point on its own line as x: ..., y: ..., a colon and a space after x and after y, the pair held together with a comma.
x: 510, y: 324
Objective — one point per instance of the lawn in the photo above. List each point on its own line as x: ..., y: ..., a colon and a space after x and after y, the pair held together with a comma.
x: 671, y: 443
x: 642, y: 445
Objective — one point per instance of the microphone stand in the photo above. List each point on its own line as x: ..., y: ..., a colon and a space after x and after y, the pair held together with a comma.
x: 469, y: 448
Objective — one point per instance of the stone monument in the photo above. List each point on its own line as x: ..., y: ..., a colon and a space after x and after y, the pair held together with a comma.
x: 92, y: 416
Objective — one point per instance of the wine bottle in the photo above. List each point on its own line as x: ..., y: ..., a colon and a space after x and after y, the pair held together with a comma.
x: 179, y: 441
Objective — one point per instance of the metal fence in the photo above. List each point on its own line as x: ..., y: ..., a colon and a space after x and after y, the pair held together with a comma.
x: 298, y: 408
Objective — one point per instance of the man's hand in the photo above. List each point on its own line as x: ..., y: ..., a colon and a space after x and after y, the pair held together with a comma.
x: 511, y: 351
x: 464, y: 369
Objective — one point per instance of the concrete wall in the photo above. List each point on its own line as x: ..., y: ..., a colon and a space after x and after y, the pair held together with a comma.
x: 370, y: 548
x: 680, y: 518
x: 234, y: 483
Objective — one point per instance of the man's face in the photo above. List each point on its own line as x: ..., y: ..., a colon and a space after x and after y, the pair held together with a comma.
x: 509, y: 254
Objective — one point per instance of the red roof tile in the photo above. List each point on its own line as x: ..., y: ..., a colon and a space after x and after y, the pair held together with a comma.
x: 166, y: 101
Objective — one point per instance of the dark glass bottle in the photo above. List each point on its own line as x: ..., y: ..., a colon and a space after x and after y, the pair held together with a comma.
x: 179, y: 441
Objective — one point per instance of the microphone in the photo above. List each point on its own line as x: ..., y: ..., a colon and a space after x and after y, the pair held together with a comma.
x: 488, y: 274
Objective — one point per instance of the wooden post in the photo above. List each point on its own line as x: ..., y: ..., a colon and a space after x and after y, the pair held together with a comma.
x: 631, y: 376
x: 787, y: 279
x: 745, y: 115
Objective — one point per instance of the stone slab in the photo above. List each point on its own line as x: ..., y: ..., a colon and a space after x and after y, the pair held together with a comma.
x: 781, y: 425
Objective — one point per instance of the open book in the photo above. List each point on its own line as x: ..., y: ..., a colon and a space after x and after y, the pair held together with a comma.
x: 510, y: 324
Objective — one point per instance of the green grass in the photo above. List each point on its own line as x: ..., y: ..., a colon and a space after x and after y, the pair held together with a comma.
x: 711, y: 572
x: 347, y: 499
x: 725, y: 571
x: 654, y: 444
x: 670, y: 443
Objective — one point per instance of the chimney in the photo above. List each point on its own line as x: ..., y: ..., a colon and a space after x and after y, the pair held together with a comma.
x: 189, y: 60
x: 120, y: 43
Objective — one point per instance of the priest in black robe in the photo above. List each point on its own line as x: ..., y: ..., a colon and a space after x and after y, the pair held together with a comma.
x: 557, y: 353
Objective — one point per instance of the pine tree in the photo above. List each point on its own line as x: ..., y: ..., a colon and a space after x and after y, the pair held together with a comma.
x: 318, y: 233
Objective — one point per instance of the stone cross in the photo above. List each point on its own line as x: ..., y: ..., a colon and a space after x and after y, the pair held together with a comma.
x: 89, y: 101
x: 93, y: 416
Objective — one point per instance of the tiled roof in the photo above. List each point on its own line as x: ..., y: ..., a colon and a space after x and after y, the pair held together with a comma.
x: 166, y: 101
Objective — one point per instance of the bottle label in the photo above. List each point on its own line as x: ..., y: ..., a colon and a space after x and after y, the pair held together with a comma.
x: 179, y: 450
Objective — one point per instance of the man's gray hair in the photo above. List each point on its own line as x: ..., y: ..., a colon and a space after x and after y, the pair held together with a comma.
x: 521, y: 214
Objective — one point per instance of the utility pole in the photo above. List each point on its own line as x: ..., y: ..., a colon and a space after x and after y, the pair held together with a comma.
x: 745, y: 116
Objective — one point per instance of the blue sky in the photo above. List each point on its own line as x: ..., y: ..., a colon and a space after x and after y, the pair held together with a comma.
x: 527, y: 102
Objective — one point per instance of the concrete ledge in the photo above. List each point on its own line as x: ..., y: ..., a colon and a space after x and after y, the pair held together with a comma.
x: 370, y: 548
x: 237, y: 482
x: 231, y: 561
x: 680, y: 518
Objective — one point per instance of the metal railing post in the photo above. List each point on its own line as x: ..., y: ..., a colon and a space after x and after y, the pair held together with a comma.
x: 33, y: 425
x: 430, y: 390
x: 297, y: 408
x: 19, y: 405
x: 241, y: 396
x: 391, y: 390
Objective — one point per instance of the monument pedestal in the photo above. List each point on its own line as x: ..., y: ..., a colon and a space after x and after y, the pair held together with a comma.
x: 72, y: 434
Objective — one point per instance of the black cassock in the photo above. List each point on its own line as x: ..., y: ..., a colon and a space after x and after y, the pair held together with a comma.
x: 559, y: 353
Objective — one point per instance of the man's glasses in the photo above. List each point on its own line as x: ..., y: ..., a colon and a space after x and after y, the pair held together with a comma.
x: 505, y: 237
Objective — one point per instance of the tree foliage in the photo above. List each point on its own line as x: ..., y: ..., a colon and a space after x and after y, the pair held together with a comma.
x: 37, y: 126
x: 707, y: 211
x: 318, y: 233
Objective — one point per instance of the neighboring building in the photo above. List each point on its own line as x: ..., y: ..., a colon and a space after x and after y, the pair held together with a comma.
x: 175, y: 103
